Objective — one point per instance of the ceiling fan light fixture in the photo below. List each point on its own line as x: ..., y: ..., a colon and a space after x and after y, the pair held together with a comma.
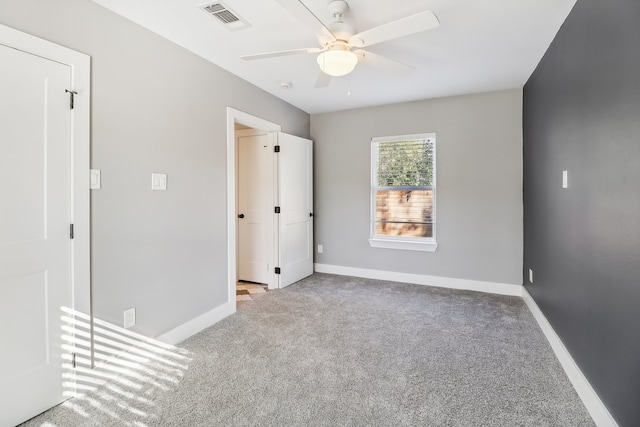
x: 337, y: 63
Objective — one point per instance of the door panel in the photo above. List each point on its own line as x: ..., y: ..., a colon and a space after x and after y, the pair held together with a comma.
x: 255, y: 203
x: 295, y: 183
x: 35, y: 249
x: 28, y: 296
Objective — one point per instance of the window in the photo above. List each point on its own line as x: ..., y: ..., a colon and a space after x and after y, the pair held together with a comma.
x: 403, y: 192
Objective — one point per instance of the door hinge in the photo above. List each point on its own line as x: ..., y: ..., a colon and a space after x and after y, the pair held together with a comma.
x: 72, y: 94
x: 73, y: 360
x: 71, y: 231
x: 277, y: 209
x: 276, y: 148
x: 277, y: 270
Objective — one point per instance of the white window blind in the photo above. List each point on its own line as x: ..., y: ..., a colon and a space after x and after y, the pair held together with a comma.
x: 403, y: 188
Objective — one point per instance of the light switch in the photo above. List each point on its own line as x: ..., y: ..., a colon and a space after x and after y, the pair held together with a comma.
x: 95, y: 179
x: 565, y: 179
x: 158, y: 181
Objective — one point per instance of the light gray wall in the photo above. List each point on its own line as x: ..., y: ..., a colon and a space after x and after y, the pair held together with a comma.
x: 479, y: 185
x: 155, y: 108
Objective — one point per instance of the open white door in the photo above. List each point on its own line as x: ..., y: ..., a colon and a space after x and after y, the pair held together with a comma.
x: 295, y: 187
x: 35, y: 246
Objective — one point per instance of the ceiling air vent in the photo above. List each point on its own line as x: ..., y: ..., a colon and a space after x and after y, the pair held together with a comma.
x: 222, y: 13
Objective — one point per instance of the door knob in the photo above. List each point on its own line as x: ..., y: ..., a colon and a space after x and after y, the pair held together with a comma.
x: 241, y: 216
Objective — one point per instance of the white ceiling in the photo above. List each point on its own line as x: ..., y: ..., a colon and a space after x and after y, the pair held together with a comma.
x: 480, y: 46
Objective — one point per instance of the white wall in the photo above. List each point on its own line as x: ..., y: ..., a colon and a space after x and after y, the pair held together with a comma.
x: 156, y: 108
x: 479, y: 186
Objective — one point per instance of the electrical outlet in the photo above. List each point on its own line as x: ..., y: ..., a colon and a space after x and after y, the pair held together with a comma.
x: 530, y: 276
x: 129, y: 318
x: 320, y: 249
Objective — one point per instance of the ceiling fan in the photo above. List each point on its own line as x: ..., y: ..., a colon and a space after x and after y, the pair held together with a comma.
x: 340, y: 44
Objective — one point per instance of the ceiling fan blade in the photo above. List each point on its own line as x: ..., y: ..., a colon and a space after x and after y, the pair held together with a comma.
x: 323, y: 80
x: 281, y: 53
x: 383, y: 63
x: 299, y: 10
x: 402, y: 27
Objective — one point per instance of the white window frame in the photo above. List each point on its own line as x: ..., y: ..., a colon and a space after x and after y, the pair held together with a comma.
x: 425, y: 244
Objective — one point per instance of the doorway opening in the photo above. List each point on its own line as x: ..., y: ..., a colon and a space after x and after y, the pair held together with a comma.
x: 269, y: 204
x: 256, y: 241
x: 245, y: 133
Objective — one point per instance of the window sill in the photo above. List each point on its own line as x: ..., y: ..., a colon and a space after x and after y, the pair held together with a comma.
x: 403, y: 245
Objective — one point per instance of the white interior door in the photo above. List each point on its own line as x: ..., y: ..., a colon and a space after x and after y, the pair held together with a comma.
x: 35, y: 251
x: 255, y: 205
x: 295, y: 185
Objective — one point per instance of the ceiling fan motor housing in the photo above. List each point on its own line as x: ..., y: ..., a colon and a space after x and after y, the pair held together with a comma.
x: 342, y: 31
x: 338, y: 7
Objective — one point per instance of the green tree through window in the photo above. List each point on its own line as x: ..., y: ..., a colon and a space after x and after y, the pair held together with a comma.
x: 405, y: 163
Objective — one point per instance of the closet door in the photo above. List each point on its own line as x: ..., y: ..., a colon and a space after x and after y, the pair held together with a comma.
x: 35, y: 246
x: 255, y: 206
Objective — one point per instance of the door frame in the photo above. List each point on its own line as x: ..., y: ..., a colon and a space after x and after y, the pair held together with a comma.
x: 236, y: 116
x: 80, y: 65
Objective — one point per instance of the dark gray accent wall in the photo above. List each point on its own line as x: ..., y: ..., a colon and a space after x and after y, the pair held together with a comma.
x: 582, y: 114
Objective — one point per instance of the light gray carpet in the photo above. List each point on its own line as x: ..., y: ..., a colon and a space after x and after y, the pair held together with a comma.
x: 341, y: 351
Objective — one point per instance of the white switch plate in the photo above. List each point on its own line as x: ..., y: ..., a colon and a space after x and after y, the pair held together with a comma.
x: 158, y: 181
x: 530, y: 276
x: 95, y: 179
x: 320, y: 249
x: 565, y: 179
x: 129, y: 318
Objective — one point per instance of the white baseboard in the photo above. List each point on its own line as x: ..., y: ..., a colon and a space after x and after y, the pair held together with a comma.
x: 197, y: 324
x: 419, y: 279
x: 592, y: 402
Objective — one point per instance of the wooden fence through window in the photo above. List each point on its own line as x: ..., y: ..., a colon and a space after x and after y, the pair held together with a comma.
x: 405, y: 212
